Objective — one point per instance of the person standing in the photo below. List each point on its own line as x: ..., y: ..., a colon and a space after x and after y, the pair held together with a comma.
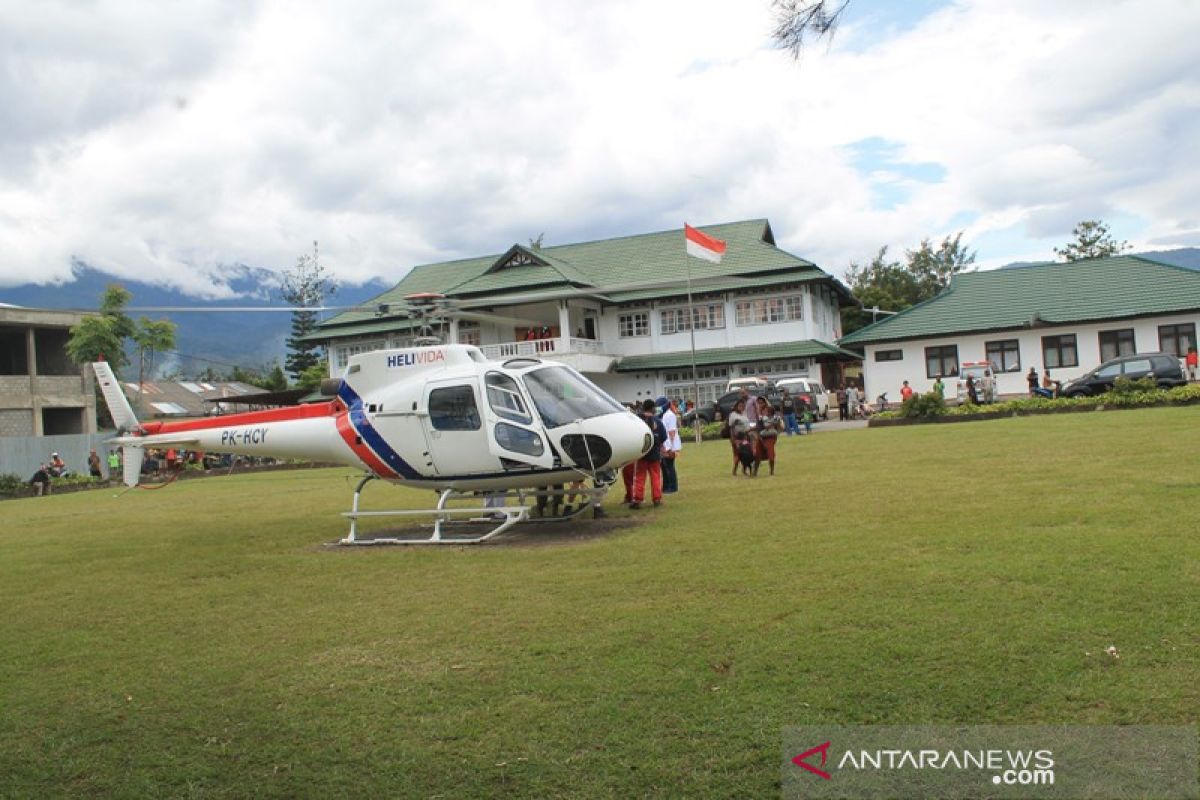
x: 787, y: 408
x: 905, y: 392
x: 1192, y: 360
x: 972, y: 391
x: 939, y: 387
x: 94, y: 465
x: 739, y: 431
x: 852, y: 399
x: 114, y: 463
x: 843, y: 406
x: 769, y: 425
x: 1032, y: 380
x: 751, y: 405
x: 671, y: 447
x: 650, y: 465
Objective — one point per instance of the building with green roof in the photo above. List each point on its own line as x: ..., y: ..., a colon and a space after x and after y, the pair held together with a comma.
x: 617, y: 309
x: 1064, y: 317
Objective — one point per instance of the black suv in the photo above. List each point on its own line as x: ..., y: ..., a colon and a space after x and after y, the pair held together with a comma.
x: 719, y: 410
x: 1164, y: 368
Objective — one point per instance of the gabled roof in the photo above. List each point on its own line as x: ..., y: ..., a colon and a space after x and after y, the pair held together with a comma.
x: 621, y: 262
x: 1092, y: 290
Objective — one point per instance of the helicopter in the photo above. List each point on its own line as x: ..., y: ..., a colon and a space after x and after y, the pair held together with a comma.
x: 431, y: 416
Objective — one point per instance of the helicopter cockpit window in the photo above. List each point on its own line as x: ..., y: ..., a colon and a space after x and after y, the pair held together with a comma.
x: 505, y: 398
x: 519, y: 440
x: 453, y: 409
x: 562, y: 396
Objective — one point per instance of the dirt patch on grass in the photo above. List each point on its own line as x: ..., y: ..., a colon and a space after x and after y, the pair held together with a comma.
x: 525, y: 534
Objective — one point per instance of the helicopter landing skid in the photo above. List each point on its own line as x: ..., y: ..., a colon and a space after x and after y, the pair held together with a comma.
x: 502, y: 517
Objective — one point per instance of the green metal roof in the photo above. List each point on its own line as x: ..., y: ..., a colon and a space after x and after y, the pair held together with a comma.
x: 607, y: 262
x: 807, y: 348
x: 1042, y: 294
x: 373, y: 324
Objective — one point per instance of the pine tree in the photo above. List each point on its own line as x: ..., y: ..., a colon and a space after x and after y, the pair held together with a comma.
x: 1092, y: 240
x: 305, y: 286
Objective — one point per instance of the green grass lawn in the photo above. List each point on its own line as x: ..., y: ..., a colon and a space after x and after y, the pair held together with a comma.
x: 198, y: 641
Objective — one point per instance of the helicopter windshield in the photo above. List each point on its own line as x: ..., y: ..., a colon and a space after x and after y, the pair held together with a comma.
x: 562, y: 396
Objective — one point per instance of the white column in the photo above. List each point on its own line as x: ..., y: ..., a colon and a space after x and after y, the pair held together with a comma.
x: 564, y: 327
x: 453, y: 330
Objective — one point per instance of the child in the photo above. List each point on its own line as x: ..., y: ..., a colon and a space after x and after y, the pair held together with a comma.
x: 808, y: 419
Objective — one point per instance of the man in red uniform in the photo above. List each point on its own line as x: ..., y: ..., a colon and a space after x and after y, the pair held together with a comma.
x: 649, y: 465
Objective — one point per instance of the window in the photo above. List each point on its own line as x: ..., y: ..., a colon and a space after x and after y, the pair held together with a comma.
x: 1177, y: 339
x: 708, y: 316
x: 561, y: 396
x: 1005, y: 354
x: 1116, y: 343
x: 505, y: 398
x: 1111, y: 371
x: 453, y: 409
x: 1059, y: 351
x: 769, y: 310
x: 343, y: 353
x: 518, y: 440
x: 469, y: 333
x: 941, y: 361
x: 636, y: 324
x: 1137, y: 367
x: 889, y: 355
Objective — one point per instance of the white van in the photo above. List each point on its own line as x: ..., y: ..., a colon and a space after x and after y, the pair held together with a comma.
x: 814, y: 391
x: 757, y: 382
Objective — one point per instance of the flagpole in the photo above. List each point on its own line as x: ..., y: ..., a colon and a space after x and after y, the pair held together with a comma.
x: 692, y: 333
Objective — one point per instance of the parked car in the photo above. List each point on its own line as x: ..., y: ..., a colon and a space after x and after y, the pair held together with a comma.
x: 719, y: 410
x: 753, y: 384
x: 1164, y: 368
x: 811, y: 392
x: 984, y: 373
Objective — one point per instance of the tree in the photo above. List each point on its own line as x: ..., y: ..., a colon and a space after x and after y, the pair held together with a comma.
x: 103, y: 336
x: 894, y: 286
x: 934, y: 268
x: 1092, y: 240
x: 312, y: 377
x: 799, y: 21
x: 151, y: 336
x: 305, y: 286
x: 275, y: 381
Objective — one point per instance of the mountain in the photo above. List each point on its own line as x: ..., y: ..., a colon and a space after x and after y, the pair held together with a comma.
x: 1186, y: 257
x: 220, y: 339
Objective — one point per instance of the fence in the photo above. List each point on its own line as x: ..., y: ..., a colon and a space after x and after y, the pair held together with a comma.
x: 21, y: 455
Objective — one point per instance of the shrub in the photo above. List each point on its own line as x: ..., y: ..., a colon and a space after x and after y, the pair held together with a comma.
x: 10, y: 483
x: 930, y: 404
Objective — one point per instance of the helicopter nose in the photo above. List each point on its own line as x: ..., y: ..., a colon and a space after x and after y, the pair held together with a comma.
x: 609, y: 441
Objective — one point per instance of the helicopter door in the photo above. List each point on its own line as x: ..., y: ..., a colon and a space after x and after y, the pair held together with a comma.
x: 512, y: 433
x: 458, y: 444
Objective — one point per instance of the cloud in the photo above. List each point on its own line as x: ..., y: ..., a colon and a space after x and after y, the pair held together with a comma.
x: 170, y: 144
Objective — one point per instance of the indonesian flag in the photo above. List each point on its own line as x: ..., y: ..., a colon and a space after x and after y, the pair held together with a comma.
x: 701, y: 245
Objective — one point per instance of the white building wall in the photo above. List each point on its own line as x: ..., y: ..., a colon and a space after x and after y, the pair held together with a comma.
x: 888, y: 376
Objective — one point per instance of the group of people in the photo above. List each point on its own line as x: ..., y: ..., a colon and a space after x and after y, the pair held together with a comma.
x: 850, y: 402
x: 754, y: 427
x: 657, y: 466
x: 55, y: 467
x: 1048, y: 388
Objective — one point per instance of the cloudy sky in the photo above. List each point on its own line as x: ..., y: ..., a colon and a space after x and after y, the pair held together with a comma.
x: 167, y: 141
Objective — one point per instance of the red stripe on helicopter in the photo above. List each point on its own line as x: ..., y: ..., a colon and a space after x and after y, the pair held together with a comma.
x: 307, y: 411
x: 365, y: 454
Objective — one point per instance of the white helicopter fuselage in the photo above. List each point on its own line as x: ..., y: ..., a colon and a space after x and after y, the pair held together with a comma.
x: 438, y: 417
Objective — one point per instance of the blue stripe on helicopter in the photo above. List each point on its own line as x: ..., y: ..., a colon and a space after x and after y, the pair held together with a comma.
x: 358, y: 419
